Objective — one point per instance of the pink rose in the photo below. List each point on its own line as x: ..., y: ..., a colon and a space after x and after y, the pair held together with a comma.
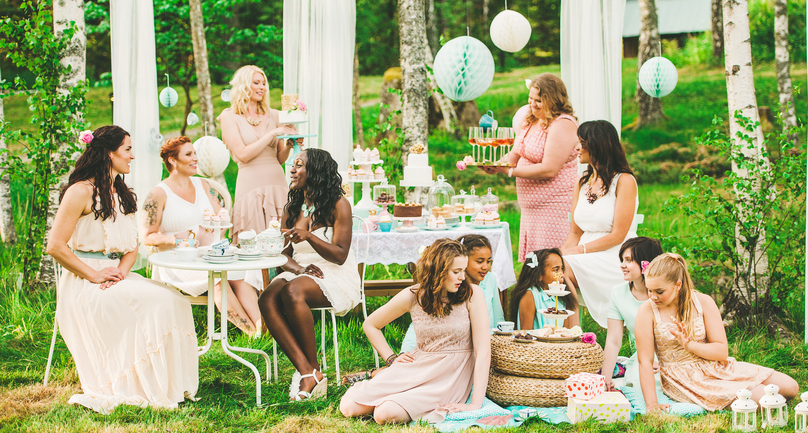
x: 589, y: 338
x: 301, y: 105
x: 86, y: 136
x: 468, y: 160
x: 461, y: 165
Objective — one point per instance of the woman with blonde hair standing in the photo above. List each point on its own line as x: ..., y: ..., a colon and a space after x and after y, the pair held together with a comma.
x: 250, y: 130
x: 545, y: 169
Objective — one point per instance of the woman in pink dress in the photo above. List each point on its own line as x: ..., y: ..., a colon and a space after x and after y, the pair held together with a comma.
x: 453, y: 349
x: 545, y: 159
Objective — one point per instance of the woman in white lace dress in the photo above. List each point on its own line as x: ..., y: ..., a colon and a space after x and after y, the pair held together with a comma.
x: 173, y: 209
x: 132, y: 339
x: 603, y: 207
x: 321, y: 271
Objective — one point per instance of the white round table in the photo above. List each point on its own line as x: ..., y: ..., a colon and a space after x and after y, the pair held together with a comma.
x: 169, y: 259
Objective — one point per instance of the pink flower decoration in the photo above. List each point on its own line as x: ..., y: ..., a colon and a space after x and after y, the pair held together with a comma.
x: 301, y: 105
x: 468, y: 160
x: 644, y: 265
x: 461, y: 165
x: 589, y: 338
x: 86, y: 136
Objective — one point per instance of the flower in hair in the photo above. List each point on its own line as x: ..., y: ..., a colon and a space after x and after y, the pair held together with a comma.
x: 589, y: 338
x: 644, y: 265
x: 86, y: 136
x: 534, y: 261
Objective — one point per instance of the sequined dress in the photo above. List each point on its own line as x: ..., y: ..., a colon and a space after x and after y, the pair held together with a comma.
x: 689, y: 378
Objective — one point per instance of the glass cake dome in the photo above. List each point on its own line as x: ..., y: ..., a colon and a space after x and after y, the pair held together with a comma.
x: 490, y: 202
x: 384, y: 194
x: 440, y: 198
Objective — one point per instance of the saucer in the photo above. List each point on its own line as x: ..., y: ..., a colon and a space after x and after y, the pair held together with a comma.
x: 436, y: 229
x: 557, y: 316
x: 219, y: 262
x: 487, y: 226
x: 407, y: 229
x: 498, y: 332
x: 560, y: 293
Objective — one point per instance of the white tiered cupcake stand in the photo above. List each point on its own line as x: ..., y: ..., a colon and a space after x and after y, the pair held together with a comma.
x: 555, y: 290
x: 365, y: 204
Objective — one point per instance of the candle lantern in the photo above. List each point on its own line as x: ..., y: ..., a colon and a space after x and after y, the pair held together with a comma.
x: 801, y: 415
x: 744, y: 412
x: 773, y: 409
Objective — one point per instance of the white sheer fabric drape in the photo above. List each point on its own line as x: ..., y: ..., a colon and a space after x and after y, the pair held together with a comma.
x: 318, y: 50
x: 134, y: 83
x: 591, y: 57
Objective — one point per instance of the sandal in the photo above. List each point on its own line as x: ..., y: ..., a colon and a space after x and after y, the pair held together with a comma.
x: 319, y: 391
x: 352, y: 378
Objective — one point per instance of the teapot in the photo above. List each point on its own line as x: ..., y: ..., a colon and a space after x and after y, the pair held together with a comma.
x: 270, y: 242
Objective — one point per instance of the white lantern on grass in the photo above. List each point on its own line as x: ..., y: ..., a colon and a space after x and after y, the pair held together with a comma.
x: 744, y: 412
x: 801, y: 415
x: 773, y: 409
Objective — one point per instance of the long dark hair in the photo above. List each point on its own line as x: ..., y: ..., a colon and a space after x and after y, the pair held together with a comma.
x: 431, y: 272
x: 606, y: 154
x: 531, y: 277
x: 94, y: 165
x: 643, y: 249
x: 323, y: 186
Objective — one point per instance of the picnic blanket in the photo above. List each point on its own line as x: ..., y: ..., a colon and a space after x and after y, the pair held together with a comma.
x: 492, y: 415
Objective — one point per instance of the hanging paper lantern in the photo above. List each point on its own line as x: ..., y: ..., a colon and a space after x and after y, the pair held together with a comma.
x: 213, y: 156
x: 510, y: 31
x: 192, y: 119
x: 658, y: 77
x: 226, y: 95
x: 464, y: 68
x: 169, y: 97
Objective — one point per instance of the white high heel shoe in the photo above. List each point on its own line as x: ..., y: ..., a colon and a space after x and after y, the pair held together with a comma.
x: 319, y: 391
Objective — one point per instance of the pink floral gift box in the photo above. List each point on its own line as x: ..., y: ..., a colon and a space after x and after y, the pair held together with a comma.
x: 585, y: 386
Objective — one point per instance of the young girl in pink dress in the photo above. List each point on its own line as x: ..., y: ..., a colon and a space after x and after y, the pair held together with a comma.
x: 453, y: 349
x: 684, y: 327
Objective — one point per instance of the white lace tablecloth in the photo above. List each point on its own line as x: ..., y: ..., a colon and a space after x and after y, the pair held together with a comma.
x: 393, y: 247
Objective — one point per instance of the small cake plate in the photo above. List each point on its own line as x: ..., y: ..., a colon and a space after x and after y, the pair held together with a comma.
x: 408, y: 223
x: 436, y: 229
x: 557, y: 316
x: 294, y: 136
x: 559, y: 293
x: 557, y: 339
x: 498, y: 332
x: 355, y: 162
x: 487, y: 226
x: 208, y: 226
x: 520, y: 340
x: 407, y: 229
x: 368, y: 180
x: 293, y: 122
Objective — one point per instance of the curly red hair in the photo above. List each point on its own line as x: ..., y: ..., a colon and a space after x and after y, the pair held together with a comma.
x: 171, y: 149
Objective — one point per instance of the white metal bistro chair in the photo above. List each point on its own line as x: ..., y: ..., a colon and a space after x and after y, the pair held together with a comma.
x: 324, y: 366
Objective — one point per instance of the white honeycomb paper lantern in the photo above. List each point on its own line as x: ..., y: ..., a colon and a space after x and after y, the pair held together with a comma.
x: 464, y: 68
x: 169, y: 97
x: 213, y: 156
x: 658, y: 77
x: 192, y: 119
x: 510, y: 31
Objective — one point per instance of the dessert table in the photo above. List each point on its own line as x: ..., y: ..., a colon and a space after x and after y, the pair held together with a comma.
x: 169, y: 259
x: 395, y: 247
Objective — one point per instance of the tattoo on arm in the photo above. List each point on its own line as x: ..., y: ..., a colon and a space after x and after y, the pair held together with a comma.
x: 150, y: 211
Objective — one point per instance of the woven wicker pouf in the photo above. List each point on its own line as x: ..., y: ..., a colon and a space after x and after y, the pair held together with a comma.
x: 525, y: 391
x: 544, y: 360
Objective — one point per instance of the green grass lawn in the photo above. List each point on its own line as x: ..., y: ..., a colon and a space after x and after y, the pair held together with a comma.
x: 226, y: 387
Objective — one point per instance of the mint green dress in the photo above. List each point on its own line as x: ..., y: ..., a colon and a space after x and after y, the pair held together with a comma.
x: 624, y: 306
x: 543, y: 302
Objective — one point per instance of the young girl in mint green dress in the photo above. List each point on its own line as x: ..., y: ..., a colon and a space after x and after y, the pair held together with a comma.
x: 538, y: 272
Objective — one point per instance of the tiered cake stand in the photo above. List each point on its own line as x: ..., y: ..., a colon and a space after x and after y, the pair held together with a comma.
x: 555, y: 290
x: 462, y: 216
x: 218, y: 231
x: 408, y: 223
x: 366, y: 203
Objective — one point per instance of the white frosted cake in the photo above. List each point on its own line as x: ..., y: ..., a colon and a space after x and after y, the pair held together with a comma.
x: 292, y: 110
x: 417, y: 171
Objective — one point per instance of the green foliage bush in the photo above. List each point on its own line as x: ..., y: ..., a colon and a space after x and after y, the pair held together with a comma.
x: 698, y: 50
x: 761, y: 26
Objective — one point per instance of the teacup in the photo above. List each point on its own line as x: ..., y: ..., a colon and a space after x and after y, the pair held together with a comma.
x: 385, y: 227
x: 185, y: 243
x: 247, y: 240
x: 527, y: 412
x: 185, y: 254
x: 219, y: 248
x: 505, y: 326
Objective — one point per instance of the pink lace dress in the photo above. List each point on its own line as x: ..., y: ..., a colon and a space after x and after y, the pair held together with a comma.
x: 545, y: 204
x: 689, y: 378
x: 440, y: 374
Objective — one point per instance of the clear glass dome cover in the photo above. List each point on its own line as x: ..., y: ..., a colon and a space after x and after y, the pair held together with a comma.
x: 384, y: 193
x: 465, y: 203
x: 490, y: 202
x: 440, y: 195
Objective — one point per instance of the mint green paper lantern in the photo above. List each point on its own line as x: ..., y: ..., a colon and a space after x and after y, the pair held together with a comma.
x: 464, y: 68
x: 658, y: 77
x: 169, y: 97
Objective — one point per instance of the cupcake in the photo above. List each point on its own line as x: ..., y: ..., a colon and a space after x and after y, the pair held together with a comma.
x: 206, y: 216
x: 350, y: 173
x: 385, y: 221
x: 379, y: 172
x: 494, y: 218
x: 215, y: 221
x: 275, y: 224
x: 361, y: 174
x: 366, y: 156
x: 441, y: 222
x: 374, y: 155
x: 224, y: 217
x: 432, y: 222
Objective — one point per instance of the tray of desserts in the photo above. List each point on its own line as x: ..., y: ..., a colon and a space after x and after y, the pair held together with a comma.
x: 523, y: 337
x: 491, y: 164
x: 556, y: 313
x: 550, y: 334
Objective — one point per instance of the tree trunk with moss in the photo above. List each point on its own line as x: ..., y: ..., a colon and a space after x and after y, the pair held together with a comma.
x: 717, y: 28
x: 202, y: 69
x: 649, y: 109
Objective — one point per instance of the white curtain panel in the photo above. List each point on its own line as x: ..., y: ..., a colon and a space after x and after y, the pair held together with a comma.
x: 134, y: 83
x: 591, y: 57
x: 318, y: 50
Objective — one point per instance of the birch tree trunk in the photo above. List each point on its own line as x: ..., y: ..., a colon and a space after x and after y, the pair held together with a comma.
x: 751, y: 271
x: 415, y: 91
x: 7, y: 231
x: 432, y: 35
x: 202, y: 70
x: 64, y: 12
x: 783, y: 66
x: 649, y: 109
x: 717, y: 28
x: 357, y: 107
